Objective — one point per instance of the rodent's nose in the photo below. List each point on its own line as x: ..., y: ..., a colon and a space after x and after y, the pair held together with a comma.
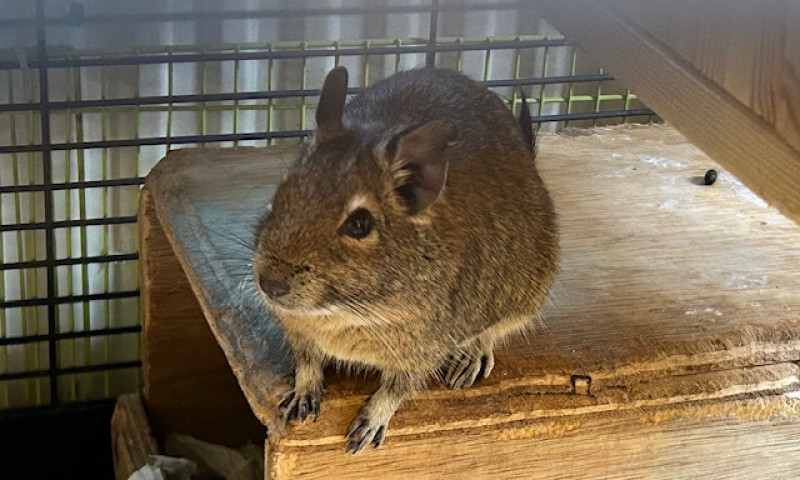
x: 273, y: 287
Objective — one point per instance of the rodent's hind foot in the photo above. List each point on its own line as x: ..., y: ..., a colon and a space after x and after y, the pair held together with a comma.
x: 300, y: 404
x: 365, y: 430
x: 468, y: 367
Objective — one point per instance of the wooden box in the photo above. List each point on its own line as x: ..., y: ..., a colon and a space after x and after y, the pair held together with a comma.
x: 668, y: 347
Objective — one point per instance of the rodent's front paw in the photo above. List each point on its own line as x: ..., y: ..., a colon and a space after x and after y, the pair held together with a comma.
x: 365, y: 429
x: 300, y: 404
x: 466, y: 369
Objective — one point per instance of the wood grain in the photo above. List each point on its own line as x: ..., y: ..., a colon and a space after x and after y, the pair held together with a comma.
x: 132, y: 439
x: 188, y: 385
x: 742, y: 439
x: 749, y: 49
x: 672, y: 297
x: 724, y: 73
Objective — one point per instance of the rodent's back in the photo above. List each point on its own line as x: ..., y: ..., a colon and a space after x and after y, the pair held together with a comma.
x: 414, y: 97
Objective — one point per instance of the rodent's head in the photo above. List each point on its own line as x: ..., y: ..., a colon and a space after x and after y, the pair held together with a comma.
x: 347, y: 227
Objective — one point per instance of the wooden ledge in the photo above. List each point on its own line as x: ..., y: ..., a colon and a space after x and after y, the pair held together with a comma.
x: 671, y: 295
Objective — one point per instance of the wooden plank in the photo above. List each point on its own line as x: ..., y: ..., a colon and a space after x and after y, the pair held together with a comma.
x: 742, y: 439
x: 445, y: 413
x: 132, y: 438
x: 710, y: 116
x: 661, y: 276
x: 748, y: 49
x: 188, y: 385
x: 220, y: 217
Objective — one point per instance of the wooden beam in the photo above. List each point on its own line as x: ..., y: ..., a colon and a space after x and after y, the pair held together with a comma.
x: 188, y: 385
x: 748, y: 439
x: 132, y: 438
x: 215, y: 263
x: 707, y: 114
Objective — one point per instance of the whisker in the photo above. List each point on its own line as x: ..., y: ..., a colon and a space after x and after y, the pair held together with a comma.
x: 247, y: 243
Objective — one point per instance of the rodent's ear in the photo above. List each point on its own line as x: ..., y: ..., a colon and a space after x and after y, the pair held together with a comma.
x: 419, y: 164
x: 331, y: 103
x: 526, y: 123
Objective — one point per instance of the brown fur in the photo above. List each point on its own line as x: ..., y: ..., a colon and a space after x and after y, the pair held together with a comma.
x: 447, y: 271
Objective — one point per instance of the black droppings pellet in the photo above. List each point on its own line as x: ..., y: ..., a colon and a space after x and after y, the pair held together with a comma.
x: 710, y: 177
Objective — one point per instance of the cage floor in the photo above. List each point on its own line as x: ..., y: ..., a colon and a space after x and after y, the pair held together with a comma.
x: 674, y: 300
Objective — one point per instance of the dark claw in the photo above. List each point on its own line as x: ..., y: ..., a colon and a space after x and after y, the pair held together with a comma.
x: 354, y: 427
x: 461, y: 372
x: 352, y: 444
x: 286, y: 400
x: 355, y: 445
x: 302, y: 408
x: 378, y: 440
x: 363, y: 443
x: 482, y: 371
x: 299, y: 406
x: 360, y: 434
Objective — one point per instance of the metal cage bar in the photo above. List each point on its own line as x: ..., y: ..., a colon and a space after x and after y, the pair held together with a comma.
x: 51, y: 200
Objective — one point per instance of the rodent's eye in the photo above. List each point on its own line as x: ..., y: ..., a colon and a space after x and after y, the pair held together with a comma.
x: 358, y: 224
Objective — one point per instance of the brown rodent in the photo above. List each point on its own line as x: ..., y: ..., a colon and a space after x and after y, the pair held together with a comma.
x: 413, y: 234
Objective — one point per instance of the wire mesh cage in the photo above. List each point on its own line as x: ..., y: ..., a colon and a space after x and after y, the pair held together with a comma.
x: 93, y: 94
